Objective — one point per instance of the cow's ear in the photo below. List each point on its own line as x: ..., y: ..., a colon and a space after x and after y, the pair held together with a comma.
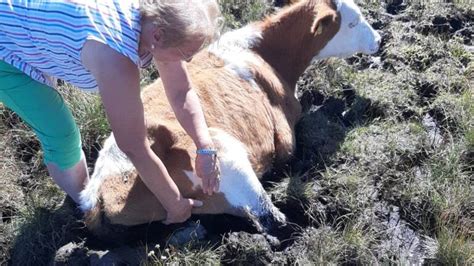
x: 324, y: 18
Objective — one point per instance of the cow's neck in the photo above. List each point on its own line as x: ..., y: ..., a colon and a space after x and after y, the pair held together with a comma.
x: 287, y: 43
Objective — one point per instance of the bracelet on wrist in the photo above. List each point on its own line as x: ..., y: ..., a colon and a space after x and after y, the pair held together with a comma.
x: 206, y: 151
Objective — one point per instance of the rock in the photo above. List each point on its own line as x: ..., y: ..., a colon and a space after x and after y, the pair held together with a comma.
x: 124, y: 255
x: 71, y: 254
x: 103, y: 258
x: 77, y: 254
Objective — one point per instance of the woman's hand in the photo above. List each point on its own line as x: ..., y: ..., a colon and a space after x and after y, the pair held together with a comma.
x: 207, y: 168
x: 181, y: 211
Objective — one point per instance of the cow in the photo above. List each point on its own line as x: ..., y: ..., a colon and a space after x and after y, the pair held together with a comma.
x: 246, y: 82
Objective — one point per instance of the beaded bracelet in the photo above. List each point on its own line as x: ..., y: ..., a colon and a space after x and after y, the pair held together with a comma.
x: 207, y: 151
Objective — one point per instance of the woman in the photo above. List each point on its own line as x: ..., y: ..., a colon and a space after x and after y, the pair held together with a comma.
x: 100, y: 45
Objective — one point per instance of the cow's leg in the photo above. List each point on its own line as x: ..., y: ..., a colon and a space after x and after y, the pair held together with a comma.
x: 241, y: 186
x: 284, y: 134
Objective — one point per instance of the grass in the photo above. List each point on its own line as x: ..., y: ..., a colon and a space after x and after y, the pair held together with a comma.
x: 238, y: 13
x: 187, y: 255
x: 454, y: 247
x: 371, y: 183
x: 246, y: 249
x: 318, y: 246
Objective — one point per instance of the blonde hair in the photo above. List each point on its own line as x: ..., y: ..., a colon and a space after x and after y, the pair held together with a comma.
x: 183, y: 20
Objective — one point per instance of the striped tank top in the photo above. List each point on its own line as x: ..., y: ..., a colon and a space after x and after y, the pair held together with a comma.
x: 44, y: 38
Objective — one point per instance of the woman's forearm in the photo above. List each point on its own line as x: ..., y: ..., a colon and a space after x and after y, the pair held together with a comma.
x: 191, y: 118
x: 188, y: 110
x: 155, y: 176
x: 185, y: 102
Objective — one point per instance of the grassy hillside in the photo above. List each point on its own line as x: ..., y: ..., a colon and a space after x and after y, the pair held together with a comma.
x: 383, y: 171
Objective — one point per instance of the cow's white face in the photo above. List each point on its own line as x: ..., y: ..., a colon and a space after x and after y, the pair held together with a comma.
x: 354, y: 36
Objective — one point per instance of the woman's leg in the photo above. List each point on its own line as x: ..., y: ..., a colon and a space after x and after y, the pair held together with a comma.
x: 72, y: 179
x: 45, y: 111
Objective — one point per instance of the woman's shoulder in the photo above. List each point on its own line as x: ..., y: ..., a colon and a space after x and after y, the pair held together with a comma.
x: 97, y: 57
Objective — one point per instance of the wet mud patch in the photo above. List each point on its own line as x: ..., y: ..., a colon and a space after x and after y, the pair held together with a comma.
x: 395, y: 7
x: 403, y: 242
x: 457, y: 23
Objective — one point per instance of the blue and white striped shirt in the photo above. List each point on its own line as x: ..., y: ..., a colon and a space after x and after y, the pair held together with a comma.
x: 44, y: 38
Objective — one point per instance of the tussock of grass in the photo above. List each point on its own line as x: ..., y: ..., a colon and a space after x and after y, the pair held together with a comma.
x: 458, y: 51
x: 291, y: 189
x: 344, y: 193
x: 420, y: 53
x: 21, y: 146
x: 318, y: 246
x: 452, y: 183
x: 381, y: 146
x: 438, y: 192
x: 392, y: 96
x: 361, y: 240
x: 454, y: 246
x: 187, y: 255
x: 245, y: 248
x: 238, y: 13
x: 327, y: 76
x: 452, y: 112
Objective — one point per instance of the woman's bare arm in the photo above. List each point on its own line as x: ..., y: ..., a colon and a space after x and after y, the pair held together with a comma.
x: 118, y: 81
x: 187, y: 107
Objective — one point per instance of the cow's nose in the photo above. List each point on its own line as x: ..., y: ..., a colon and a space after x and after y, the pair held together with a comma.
x: 376, y: 44
x: 378, y: 38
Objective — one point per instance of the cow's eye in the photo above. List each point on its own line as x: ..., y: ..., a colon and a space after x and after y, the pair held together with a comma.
x: 354, y: 23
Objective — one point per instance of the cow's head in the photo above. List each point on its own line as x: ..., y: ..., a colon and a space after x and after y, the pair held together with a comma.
x: 355, y: 35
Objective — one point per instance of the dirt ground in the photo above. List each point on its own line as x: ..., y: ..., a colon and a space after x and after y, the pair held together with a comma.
x: 383, y: 171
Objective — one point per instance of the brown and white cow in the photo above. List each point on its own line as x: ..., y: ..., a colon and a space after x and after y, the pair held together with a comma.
x: 246, y: 82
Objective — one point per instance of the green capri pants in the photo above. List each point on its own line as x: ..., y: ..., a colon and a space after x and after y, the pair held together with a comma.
x: 45, y: 111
